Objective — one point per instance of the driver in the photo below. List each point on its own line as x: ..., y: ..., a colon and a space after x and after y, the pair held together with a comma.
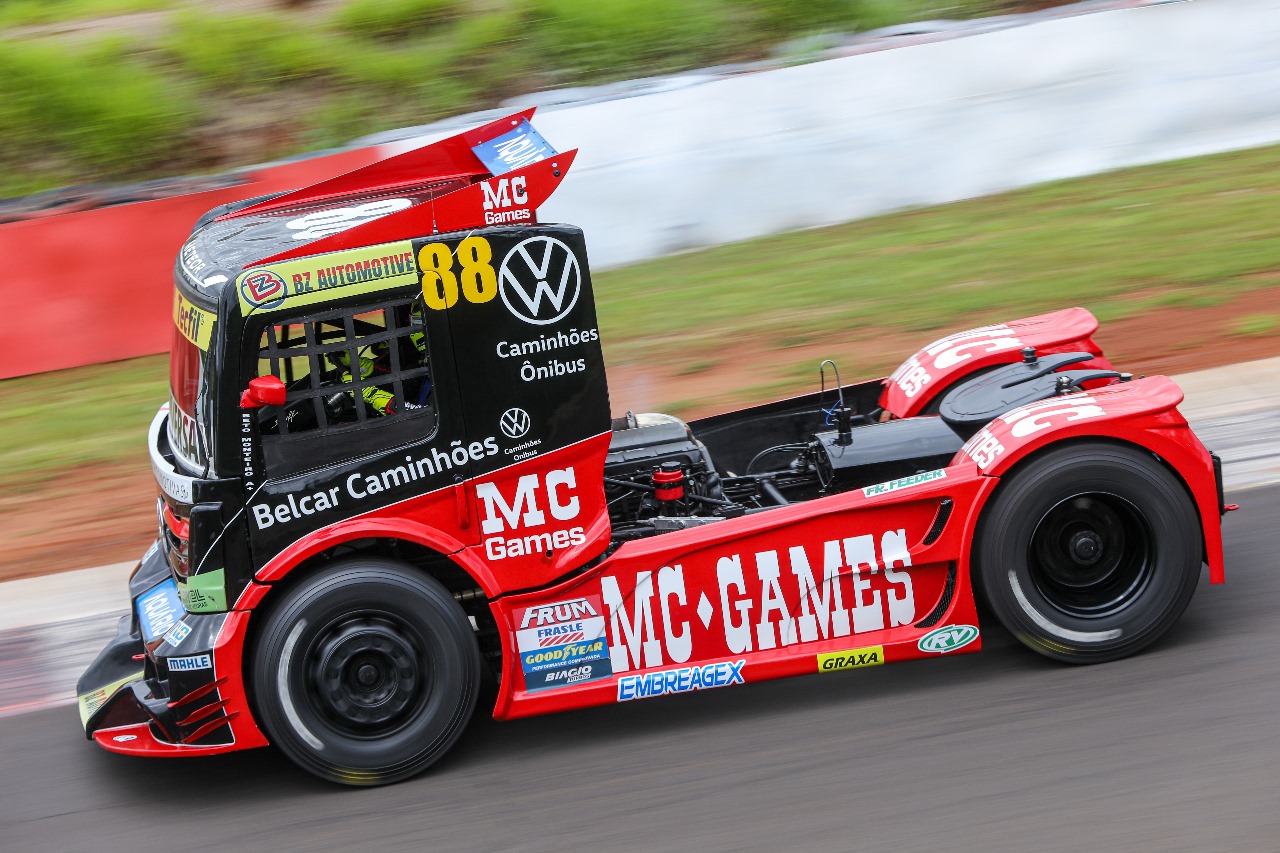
x: 374, y: 359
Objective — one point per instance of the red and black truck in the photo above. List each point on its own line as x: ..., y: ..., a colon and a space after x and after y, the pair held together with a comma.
x: 389, y: 466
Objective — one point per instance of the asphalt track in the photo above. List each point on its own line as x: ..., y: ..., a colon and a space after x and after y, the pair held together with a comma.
x: 1175, y: 749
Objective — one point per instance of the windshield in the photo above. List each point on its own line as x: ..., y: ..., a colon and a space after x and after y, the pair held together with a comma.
x: 188, y: 386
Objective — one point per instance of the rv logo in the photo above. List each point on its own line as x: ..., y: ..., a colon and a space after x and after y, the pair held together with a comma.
x: 540, y: 280
x: 947, y: 638
x: 514, y: 423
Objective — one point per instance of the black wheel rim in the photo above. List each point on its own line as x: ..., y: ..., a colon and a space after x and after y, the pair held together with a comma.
x: 365, y: 674
x: 1091, y: 555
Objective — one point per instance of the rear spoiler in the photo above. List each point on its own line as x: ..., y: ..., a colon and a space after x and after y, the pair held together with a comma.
x: 496, y: 174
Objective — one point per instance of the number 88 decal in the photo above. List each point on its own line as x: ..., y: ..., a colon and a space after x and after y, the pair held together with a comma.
x: 476, y: 280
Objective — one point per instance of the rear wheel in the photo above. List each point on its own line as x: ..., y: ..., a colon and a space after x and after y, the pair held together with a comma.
x: 366, y: 673
x: 1089, y: 553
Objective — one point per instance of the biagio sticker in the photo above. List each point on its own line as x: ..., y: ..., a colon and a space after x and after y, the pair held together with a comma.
x: 562, y: 643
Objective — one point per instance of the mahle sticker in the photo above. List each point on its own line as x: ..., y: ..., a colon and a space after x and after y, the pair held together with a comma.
x: 905, y: 482
x: 947, y: 639
x: 851, y: 659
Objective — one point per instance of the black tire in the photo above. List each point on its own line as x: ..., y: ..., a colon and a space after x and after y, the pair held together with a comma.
x: 1089, y: 552
x: 366, y: 672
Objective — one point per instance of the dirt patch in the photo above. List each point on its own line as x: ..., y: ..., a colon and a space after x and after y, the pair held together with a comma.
x: 87, y: 517
x: 96, y: 516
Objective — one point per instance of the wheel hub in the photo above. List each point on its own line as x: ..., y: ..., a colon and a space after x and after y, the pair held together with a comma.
x: 1086, y: 547
x: 366, y: 675
x: 1091, y: 554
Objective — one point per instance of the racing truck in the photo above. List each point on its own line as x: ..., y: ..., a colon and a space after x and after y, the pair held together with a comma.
x: 390, y: 475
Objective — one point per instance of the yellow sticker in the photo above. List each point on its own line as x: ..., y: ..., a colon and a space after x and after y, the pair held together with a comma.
x: 195, y: 323
x: 290, y: 284
x: 851, y: 659
x: 91, y: 702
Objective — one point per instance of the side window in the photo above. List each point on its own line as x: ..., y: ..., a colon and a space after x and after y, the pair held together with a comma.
x: 348, y: 368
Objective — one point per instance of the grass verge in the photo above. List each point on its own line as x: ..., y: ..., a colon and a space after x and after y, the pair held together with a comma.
x: 1182, y: 233
x: 1190, y: 233
x: 222, y: 85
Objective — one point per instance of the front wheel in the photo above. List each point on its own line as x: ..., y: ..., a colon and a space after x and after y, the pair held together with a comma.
x: 366, y: 672
x: 1089, y: 553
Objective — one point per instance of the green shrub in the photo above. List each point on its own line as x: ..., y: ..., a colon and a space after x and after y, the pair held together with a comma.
x: 616, y: 39
x: 105, y: 111
x: 252, y: 51
x: 19, y: 13
x: 393, y: 17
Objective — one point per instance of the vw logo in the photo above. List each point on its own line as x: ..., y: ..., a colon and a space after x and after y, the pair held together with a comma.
x: 514, y: 423
x: 540, y: 280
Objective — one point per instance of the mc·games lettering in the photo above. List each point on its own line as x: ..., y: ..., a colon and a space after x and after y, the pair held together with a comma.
x: 360, y: 485
x: 524, y: 512
x: 758, y: 605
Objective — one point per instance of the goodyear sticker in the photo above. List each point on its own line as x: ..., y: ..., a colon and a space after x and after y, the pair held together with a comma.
x: 317, y: 279
x: 195, y: 323
x: 562, y: 643
x: 851, y: 659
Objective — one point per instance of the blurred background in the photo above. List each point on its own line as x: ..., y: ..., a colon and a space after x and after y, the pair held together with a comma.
x: 764, y: 184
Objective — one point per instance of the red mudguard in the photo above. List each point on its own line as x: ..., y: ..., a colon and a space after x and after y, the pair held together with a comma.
x: 921, y: 378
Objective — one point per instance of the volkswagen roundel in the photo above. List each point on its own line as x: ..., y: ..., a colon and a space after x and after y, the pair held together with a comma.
x: 540, y: 280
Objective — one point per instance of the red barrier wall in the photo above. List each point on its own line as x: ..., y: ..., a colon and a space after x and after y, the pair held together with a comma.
x: 97, y: 285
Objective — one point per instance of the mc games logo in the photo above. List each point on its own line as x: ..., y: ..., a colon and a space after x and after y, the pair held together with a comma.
x: 947, y: 639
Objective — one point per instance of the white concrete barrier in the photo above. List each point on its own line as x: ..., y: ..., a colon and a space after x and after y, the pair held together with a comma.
x: 848, y: 138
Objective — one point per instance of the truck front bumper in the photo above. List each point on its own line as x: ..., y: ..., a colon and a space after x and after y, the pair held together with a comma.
x: 175, y: 691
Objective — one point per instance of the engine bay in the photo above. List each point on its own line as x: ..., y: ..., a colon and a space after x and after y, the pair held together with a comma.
x: 662, y: 474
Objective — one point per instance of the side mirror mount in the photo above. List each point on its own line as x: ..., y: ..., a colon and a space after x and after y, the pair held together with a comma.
x: 263, y: 391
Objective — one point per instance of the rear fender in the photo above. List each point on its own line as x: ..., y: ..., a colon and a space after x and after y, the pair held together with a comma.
x: 1142, y: 413
x: 924, y: 376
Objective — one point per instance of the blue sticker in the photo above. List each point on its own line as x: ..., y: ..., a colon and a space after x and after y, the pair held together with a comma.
x: 566, y: 676
x: 682, y: 680
x: 159, y: 610
x: 177, y: 634
x: 518, y: 147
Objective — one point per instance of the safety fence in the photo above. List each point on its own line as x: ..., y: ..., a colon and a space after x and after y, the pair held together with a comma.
x: 705, y: 159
